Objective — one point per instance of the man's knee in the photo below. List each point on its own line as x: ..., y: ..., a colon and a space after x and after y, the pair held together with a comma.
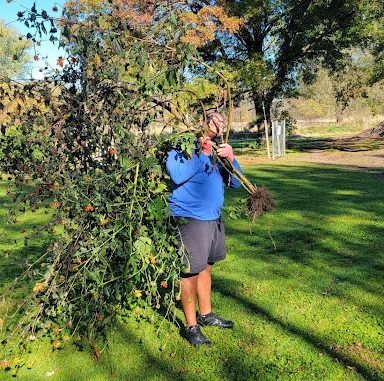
x: 207, y: 270
x: 191, y: 275
x: 188, y: 275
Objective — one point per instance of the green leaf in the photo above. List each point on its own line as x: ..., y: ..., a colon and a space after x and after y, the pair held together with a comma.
x: 171, y: 78
x: 95, y: 276
x: 173, y: 19
x: 66, y: 32
x: 160, y: 188
x: 143, y: 245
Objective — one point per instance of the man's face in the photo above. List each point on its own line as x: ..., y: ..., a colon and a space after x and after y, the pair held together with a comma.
x: 216, y: 125
x: 209, y: 134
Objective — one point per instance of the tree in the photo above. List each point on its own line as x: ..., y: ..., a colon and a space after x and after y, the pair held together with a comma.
x: 352, y: 80
x: 90, y: 154
x: 331, y: 93
x: 14, y: 57
x: 315, y: 100
x: 372, y: 35
x: 277, y: 38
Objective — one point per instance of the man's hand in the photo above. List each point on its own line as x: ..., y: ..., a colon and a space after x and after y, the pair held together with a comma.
x: 206, y: 145
x: 225, y: 150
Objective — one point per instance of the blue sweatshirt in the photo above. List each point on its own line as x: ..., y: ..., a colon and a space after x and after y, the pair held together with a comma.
x: 198, y: 186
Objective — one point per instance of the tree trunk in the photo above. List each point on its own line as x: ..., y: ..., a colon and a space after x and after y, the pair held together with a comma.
x: 263, y: 118
x: 340, y: 111
x: 258, y: 111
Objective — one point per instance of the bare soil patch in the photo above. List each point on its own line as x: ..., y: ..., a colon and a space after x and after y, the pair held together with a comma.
x: 372, y: 161
x: 364, y: 151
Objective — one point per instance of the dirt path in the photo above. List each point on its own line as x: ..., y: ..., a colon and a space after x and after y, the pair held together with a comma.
x: 372, y: 161
x: 364, y: 151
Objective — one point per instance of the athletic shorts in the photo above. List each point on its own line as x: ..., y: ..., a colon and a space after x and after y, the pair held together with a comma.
x: 201, y: 242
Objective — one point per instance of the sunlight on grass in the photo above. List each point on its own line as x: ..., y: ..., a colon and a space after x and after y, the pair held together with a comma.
x: 304, y: 286
x: 322, y: 129
x: 19, y: 243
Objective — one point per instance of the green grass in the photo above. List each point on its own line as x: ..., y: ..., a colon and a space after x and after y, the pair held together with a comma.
x: 19, y: 243
x: 330, y: 130
x: 317, y: 137
x: 304, y: 286
x: 322, y: 143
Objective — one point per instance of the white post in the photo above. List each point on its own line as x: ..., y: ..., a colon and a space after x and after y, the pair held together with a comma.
x: 273, y: 139
x: 266, y: 132
x: 278, y: 136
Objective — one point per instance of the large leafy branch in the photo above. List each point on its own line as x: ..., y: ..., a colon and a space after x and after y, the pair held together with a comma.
x: 84, y: 142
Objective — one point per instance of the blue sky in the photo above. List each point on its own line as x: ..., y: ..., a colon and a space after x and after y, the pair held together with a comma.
x: 8, y: 14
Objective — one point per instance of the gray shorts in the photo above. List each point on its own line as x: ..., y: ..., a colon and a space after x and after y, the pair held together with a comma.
x: 202, y: 242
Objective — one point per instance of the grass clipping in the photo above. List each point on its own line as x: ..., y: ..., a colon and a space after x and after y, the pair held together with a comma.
x: 260, y: 200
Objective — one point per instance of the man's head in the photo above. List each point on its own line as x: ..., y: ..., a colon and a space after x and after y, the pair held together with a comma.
x: 213, y: 125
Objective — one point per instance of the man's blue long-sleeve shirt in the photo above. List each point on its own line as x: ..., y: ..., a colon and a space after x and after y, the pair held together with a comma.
x: 198, y: 185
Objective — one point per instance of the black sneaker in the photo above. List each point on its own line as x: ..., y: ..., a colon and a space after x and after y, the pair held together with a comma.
x: 195, y: 337
x: 215, y: 320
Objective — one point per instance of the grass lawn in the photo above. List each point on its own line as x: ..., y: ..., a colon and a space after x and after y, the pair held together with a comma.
x: 331, y: 129
x: 18, y: 242
x: 304, y: 286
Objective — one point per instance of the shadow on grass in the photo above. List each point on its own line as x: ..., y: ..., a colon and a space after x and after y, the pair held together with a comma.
x: 12, y: 265
x: 225, y: 287
x: 153, y: 364
x: 329, y: 222
x: 20, y: 242
x: 313, y: 205
x: 330, y: 219
x: 352, y: 144
x: 132, y: 356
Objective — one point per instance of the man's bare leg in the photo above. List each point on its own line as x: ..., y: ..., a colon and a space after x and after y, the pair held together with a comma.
x: 204, y: 283
x: 206, y: 317
x: 188, y: 299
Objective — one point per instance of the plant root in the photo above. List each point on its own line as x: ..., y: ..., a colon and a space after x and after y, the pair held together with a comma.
x: 259, y: 202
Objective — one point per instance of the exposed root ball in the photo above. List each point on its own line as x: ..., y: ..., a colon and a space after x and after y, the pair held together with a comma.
x: 260, y: 202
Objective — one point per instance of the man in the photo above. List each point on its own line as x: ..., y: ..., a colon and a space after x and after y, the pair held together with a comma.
x: 198, y: 197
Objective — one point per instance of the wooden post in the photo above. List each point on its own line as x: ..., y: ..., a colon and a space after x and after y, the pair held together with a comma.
x: 273, y: 140
x: 266, y: 132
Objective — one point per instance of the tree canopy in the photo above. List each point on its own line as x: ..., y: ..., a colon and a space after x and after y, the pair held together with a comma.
x: 278, y: 39
x: 14, y: 58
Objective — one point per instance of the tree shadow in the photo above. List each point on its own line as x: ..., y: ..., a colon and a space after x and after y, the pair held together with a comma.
x: 310, y: 200
x: 352, y: 144
x: 70, y: 364
x: 306, y: 228
x: 21, y: 241
x: 225, y: 287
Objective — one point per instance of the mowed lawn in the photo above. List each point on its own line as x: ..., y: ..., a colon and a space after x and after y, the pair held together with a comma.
x: 304, y: 286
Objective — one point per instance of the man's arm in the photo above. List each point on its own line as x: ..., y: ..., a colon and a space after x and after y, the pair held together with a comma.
x: 230, y: 180
x: 226, y: 151
x: 181, y: 169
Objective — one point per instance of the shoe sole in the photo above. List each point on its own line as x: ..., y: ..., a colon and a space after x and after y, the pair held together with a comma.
x: 214, y: 325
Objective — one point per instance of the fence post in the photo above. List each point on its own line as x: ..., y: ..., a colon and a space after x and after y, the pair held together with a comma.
x: 266, y: 132
x: 273, y: 140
